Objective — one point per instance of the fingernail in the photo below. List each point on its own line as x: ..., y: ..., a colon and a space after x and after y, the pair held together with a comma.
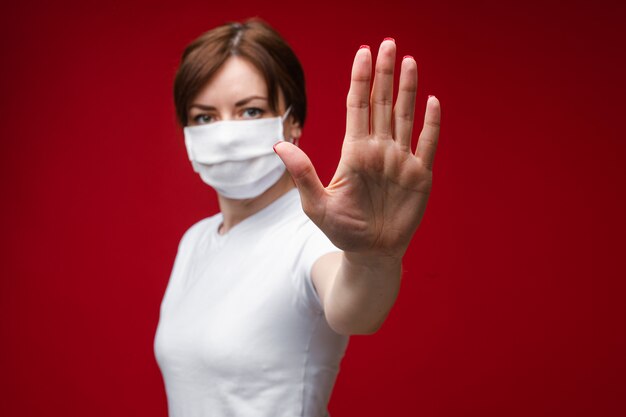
x: 364, y: 47
x: 389, y: 39
x: 429, y: 96
x: 274, y: 147
x: 408, y: 56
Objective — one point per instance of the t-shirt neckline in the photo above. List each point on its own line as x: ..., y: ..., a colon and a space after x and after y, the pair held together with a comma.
x: 281, y: 203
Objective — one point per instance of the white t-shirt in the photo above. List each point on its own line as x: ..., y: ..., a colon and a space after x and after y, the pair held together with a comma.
x: 242, y: 331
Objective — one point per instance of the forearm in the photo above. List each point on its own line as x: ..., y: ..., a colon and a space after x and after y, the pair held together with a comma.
x: 362, y: 293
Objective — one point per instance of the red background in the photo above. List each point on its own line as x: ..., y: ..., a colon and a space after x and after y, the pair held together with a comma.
x: 513, y: 300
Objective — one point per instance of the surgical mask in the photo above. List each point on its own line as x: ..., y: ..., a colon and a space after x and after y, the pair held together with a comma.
x: 236, y: 157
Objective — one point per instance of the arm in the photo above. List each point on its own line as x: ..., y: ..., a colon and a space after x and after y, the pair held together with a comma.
x: 356, y: 293
x: 377, y: 197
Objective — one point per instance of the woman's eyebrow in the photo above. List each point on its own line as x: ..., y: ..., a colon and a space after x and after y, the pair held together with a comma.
x: 240, y: 103
x: 201, y: 107
x: 248, y: 99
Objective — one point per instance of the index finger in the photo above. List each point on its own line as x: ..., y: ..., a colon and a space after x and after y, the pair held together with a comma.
x: 358, y: 101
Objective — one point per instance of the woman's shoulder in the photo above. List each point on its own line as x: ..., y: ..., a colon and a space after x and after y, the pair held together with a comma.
x: 200, y: 228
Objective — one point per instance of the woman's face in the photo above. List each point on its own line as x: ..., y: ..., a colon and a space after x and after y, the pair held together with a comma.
x: 237, y: 91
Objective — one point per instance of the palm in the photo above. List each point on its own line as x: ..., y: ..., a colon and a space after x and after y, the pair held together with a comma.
x: 378, y: 195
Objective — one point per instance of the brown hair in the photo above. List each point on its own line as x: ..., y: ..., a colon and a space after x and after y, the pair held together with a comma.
x: 253, y: 40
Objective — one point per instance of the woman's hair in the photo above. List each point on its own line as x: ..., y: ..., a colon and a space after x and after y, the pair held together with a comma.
x: 253, y: 40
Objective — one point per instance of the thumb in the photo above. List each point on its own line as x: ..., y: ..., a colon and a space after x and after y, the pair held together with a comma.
x: 303, y: 173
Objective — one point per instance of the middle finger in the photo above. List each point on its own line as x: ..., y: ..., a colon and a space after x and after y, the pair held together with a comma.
x: 382, y: 89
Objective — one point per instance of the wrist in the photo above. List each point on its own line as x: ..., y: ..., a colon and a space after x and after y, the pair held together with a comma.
x: 372, y: 261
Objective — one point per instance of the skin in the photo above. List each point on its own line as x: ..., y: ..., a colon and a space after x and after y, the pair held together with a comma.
x: 377, y: 197
x: 238, y: 91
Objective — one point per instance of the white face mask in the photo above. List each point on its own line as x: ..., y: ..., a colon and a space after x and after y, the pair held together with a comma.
x: 236, y: 157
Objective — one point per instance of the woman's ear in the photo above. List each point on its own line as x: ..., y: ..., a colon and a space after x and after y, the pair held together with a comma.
x: 295, y: 131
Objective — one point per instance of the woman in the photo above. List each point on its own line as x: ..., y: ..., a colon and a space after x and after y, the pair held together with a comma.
x: 264, y: 295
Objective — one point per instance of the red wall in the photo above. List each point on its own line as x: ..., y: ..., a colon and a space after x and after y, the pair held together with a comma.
x: 513, y: 300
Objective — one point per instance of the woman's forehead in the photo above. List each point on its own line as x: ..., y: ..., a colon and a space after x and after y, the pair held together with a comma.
x: 235, y: 79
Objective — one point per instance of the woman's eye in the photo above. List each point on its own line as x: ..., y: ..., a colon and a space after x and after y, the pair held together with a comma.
x: 202, y: 119
x: 252, y: 113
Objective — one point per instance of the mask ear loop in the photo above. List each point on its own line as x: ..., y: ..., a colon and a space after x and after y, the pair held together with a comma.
x: 295, y: 141
x: 286, y: 114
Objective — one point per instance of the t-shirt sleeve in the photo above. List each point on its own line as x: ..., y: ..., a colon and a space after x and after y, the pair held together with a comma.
x: 315, y: 245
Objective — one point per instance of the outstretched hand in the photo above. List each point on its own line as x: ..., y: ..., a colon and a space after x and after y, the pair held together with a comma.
x: 378, y: 195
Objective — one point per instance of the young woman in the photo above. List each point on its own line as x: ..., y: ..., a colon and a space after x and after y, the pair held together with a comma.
x: 264, y: 295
